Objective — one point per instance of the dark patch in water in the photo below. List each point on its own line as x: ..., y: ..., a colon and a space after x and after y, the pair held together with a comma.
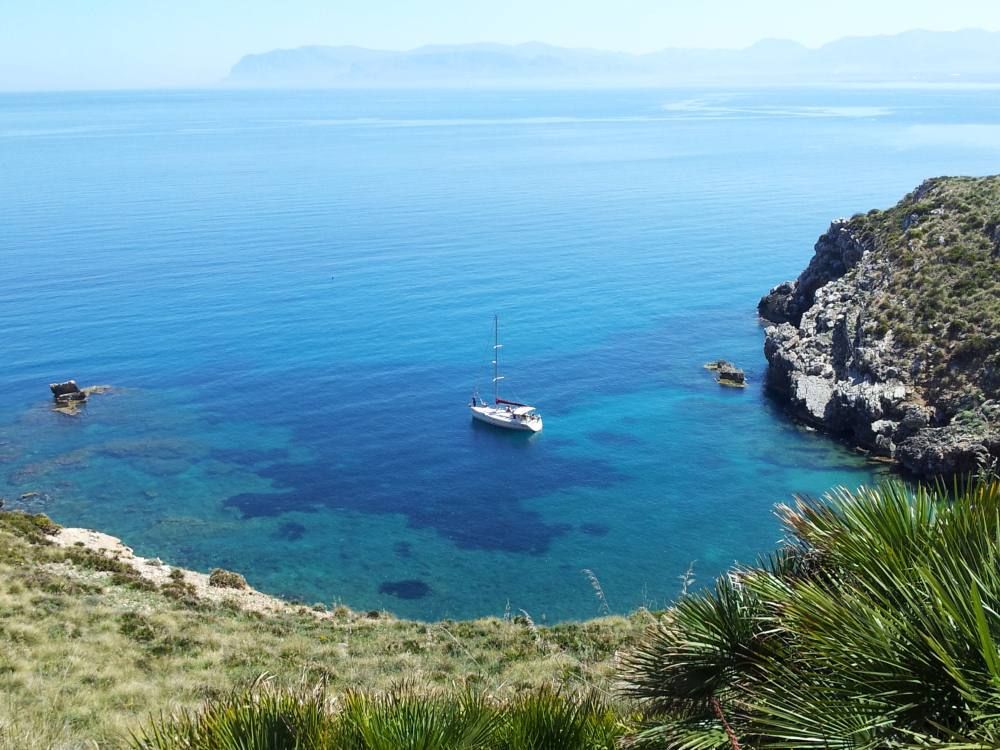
x: 290, y: 531
x: 473, y: 504
x: 411, y: 588
x: 248, y: 457
x: 606, y: 437
x: 595, y: 529
x: 558, y: 442
x: 403, y: 550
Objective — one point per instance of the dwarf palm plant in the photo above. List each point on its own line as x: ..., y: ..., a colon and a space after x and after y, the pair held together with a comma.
x: 406, y: 720
x: 266, y: 718
x: 876, y: 626
x: 548, y: 720
x: 261, y: 717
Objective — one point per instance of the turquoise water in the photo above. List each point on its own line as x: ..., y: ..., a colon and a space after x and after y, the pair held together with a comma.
x: 292, y: 294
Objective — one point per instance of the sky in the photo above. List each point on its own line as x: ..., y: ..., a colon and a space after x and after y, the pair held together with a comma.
x: 113, y: 44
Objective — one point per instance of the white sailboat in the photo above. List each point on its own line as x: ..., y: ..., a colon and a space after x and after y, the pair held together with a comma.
x: 510, y: 415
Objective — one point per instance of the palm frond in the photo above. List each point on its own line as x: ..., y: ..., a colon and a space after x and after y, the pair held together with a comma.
x: 878, y: 624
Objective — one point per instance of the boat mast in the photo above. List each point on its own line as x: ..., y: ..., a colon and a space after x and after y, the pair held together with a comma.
x: 496, y: 359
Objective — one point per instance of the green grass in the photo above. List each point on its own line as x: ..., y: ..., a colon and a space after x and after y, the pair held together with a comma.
x: 88, y: 650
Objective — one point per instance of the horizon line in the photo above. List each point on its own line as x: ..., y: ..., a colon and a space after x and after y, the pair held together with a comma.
x: 222, y: 86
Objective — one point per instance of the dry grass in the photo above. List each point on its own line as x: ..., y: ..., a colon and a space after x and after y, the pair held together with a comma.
x: 89, y: 654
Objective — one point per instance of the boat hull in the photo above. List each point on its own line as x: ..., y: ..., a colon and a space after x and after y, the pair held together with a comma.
x: 505, y: 419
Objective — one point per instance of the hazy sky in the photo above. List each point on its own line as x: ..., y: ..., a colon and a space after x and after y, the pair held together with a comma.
x: 72, y: 44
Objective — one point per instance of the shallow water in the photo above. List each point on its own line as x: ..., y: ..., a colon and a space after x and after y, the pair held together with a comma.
x: 293, y: 294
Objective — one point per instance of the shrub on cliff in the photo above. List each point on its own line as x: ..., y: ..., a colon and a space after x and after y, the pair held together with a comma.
x: 33, y: 528
x: 227, y: 579
x: 876, y: 625
x: 943, y: 278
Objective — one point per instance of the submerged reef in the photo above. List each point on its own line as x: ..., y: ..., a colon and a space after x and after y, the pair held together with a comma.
x: 411, y: 588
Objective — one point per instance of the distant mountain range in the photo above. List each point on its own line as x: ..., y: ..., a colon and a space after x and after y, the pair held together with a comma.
x: 970, y: 56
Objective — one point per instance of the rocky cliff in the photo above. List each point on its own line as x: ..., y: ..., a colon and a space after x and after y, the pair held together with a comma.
x: 890, y: 338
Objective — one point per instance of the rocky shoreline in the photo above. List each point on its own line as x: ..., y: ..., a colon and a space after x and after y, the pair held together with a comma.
x: 889, y: 338
x: 230, y: 589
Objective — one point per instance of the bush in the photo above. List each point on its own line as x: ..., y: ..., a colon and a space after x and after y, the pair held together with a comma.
x: 137, y: 627
x: 548, y: 719
x: 34, y: 528
x: 90, y: 560
x: 259, y: 718
x: 182, y: 592
x: 133, y: 580
x: 226, y: 579
x: 402, y: 719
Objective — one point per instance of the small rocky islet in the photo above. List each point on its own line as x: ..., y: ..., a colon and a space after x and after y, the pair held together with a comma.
x: 68, y: 397
x: 727, y: 374
x: 890, y: 338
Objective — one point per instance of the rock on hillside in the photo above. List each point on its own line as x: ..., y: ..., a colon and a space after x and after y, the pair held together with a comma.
x: 890, y: 338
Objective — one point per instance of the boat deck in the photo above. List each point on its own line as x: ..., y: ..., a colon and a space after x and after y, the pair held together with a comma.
x: 504, y: 418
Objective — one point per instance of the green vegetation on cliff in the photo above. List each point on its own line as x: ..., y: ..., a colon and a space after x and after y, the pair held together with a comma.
x: 890, y: 338
x: 942, y: 299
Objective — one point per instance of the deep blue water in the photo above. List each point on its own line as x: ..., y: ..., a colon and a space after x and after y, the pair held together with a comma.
x: 292, y: 294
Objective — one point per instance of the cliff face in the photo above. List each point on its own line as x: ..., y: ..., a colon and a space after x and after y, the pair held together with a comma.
x: 890, y: 338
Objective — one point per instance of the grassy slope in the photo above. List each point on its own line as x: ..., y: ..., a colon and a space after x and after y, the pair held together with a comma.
x: 942, y: 300
x: 88, y: 653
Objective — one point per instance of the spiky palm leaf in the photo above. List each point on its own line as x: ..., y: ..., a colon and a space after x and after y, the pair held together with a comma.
x: 259, y: 717
x: 404, y: 720
x: 877, y: 626
x: 546, y: 720
x: 681, y: 734
x: 698, y: 649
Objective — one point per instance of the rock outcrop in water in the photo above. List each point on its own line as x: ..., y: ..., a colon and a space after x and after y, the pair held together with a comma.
x: 728, y: 374
x: 69, y: 397
x: 890, y: 338
x: 66, y: 392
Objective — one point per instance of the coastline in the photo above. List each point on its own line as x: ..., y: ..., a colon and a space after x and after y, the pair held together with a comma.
x: 157, y: 572
x: 879, y: 342
x: 103, y: 638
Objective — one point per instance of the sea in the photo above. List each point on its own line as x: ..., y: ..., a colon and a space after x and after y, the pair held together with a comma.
x: 291, y: 295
